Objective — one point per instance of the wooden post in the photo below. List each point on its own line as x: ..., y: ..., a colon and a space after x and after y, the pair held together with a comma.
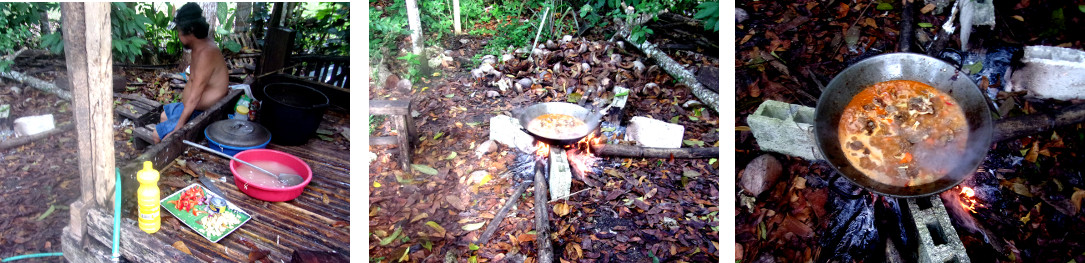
x: 87, y: 47
x: 277, y: 46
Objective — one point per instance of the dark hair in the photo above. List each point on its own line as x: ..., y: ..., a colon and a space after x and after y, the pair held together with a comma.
x: 190, y: 20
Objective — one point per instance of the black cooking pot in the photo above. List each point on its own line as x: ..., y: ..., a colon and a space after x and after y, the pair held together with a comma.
x: 292, y: 112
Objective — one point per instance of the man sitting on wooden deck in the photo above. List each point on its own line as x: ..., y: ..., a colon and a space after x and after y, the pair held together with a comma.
x: 209, y: 80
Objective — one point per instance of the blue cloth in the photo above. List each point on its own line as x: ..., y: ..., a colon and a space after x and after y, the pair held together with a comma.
x: 173, y: 113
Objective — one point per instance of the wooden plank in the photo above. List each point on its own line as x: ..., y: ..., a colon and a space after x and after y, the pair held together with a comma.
x: 278, y: 44
x: 76, y: 251
x: 400, y: 125
x: 389, y: 107
x: 136, y: 245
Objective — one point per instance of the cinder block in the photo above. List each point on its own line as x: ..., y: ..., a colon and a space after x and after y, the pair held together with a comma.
x: 1051, y: 72
x: 938, y: 240
x: 785, y: 128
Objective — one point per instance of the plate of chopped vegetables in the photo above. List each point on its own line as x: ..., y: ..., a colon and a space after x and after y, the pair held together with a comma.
x: 208, y: 214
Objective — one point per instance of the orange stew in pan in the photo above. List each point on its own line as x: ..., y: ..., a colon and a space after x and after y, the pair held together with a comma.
x: 903, y: 132
x: 556, y: 126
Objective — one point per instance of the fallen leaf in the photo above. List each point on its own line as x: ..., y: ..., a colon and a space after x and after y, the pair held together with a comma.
x: 1021, y: 189
x: 324, y: 137
x: 693, y: 142
x: 1019, y: 18
x: 925, y: 25
x: 690, y: 173
x: 800, y: 182
x: 1076, y: 199
x: 451, y: 156
x: 424, y: 169
x: 440, y: 230
x: 473, y: 227
x: 438, y: 135
x: 376, y: 184
x: 179, y: 245
x: 927, y: 8
x: 1034, y: 152
x: 388, y: 240
x: 525, y: 238
x: 562, y: 209
x: 884, y: 6
x: 456, y: 202
x: 472, y: 247
x: 842, y: 10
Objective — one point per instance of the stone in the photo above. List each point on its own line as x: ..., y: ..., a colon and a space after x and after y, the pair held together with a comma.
x: 741, y: 15
x: 485, y: 147
x: 785, y: 128
x: 507, y: 130
x: 31, y: 125
x: 1050, y: 73
x: 492, y: 94
x: 526, y: 82
x: 648, y: 132
x: 760, y: 175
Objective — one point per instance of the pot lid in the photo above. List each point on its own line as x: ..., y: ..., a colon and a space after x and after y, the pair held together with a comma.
x: 237, y: 133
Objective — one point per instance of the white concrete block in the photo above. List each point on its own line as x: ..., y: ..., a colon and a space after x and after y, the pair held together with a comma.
x: 31, y: 125
x: 1051, y: 72
x: 648, y: 132
x: 506, y: 130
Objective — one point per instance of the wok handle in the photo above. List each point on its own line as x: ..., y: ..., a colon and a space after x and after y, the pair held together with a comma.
x: 832, y: 186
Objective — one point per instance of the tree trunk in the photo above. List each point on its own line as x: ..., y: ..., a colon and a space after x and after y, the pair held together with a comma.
x: 44, y: 23
x: 416, y: 27
x: 210, y: 12
x: 276, y: 16
x: 456, y: 16
x: 258, y: 12
x: 678, y: 71
x: 244, y: 14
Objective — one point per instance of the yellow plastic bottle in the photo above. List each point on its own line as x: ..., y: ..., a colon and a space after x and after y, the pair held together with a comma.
x: 148, y: 197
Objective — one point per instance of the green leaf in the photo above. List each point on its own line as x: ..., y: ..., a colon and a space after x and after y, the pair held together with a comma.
x: 712, y: 161
x: 675, y: 119
x: 473, y: 247
x: 324, y: 131
x: 450, y: 95
x: 389, y: 239
x: 438, y: 135
x: 693, y: 142
x: 424, y: 169
x: 574, y: 97
x: 694, y: 118
x: 974, y: 67
x: 1081, y: 8
x: 884, y: 7
x: 472, y: 124
x: 472, y: 259
x: 473, y: 227
x: 451, y: 156
x: 324, y: 137
x: 128, y: 131
x: 925, y: 25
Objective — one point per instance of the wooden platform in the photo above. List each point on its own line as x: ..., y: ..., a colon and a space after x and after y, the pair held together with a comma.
x: 317, y: 220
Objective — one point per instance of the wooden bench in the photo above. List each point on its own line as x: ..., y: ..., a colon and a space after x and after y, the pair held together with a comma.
x: 400, y: 111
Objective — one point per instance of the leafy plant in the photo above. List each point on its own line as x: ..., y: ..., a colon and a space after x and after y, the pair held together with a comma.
x: 710, y: 13
x: 19, y: 26
x: 164, y: 44
x: 128, y: 27
x: 325, y: 29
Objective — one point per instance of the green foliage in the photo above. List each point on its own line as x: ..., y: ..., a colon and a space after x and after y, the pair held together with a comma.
x: 128, y: 27
x: 386, y: 27
x: 414, y: 63
x: 639, y: 33
x: 710, y: 13
x: 325, y: 29
x: 163, y: 42
x: 19, y: 24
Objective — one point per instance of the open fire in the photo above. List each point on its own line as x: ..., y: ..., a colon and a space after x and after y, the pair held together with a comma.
x: 579, y: 154
x: 968, y: 198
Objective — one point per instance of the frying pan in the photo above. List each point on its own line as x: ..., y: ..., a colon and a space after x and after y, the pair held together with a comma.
x: 591, y: 120
x: 903, y: 66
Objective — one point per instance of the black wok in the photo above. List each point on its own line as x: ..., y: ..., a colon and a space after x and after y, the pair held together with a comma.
x: 903, y: 66
x: 591, y: 120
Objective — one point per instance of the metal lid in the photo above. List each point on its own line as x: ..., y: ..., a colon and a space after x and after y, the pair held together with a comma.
x: 237, y: 133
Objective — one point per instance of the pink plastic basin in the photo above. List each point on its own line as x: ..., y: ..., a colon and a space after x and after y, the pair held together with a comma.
x: 266, y: 193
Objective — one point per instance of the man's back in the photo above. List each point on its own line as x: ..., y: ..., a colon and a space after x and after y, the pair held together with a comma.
x: 219, y: 78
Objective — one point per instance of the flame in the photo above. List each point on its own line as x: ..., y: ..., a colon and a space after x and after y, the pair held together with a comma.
x: 588, y: 141
x: 542, y: 149
x: 968, y: 198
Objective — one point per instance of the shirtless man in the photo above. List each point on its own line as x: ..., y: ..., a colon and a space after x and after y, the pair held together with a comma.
x: 209, y: 79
